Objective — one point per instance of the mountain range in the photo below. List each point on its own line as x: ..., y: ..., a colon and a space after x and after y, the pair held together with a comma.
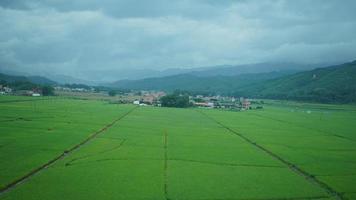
x: 197, y: 83
x: 103, y: 76
x: 100, y: 76
x: 32, y: 79
x: 329, y: 84
x: 335, y: 83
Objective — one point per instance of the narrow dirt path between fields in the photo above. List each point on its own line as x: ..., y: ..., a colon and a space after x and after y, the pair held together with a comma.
x: 66, y: 153
x: 294, y: 168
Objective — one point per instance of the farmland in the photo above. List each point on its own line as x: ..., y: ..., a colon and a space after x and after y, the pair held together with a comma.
x: 59, y: 148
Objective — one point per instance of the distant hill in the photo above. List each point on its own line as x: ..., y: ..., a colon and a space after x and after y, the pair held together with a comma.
x: 64, y: 79
x: 205, y: 84
x: 331, y: 84
x: 11, y: 79
x: 105, y: 75
x: 32, y: 79
x: 230, y: 70
x: 41, y: 80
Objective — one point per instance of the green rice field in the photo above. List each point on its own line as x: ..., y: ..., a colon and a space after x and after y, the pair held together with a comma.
x: 59, y: 148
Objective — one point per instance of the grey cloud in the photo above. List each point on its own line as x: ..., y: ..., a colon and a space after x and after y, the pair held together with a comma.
x: 128, y: 8
x: 78, y: 37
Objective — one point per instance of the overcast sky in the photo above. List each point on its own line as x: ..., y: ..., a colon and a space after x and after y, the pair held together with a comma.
x: 75, y: 36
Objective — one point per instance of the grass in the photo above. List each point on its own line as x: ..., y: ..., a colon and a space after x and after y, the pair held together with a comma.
x: 166, y: 153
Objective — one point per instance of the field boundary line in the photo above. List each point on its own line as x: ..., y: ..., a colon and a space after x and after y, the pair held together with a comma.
x: 309, y: 148
x: 280, y: 198
x: 16, y: 119
x: 165, y: 167
x: 177, y: 160
x: 25, y: 100
x: 112, y: 159
x: 15, y: 101
x: 226, y: 164
x: 335, y: 175
x: 293, y: 167
x: 66, y: 153
x: 325, y: 133
x: 73, y: 161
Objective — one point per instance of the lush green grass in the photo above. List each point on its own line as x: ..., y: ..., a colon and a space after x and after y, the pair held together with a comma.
x: 167, y: 153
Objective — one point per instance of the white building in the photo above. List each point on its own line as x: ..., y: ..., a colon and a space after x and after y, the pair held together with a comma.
x: 7, y: 89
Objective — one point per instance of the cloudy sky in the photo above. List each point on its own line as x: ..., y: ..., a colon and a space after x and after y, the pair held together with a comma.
x: 81, y: 36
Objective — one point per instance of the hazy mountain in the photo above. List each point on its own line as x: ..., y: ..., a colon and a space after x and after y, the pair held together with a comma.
x: 10, y: 78
x: 212, y: 77
x: 224, y: 70
x: 33, y: 79
x: 64, y: 79
x: 41, y: 80
x: 51, y: 78
x: 190, y: 82
x: 330, y: 84
x: 102, y: 77
x: 230, y: 70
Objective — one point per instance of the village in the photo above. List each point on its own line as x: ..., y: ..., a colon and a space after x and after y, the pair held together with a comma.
x: 142, y: 98
x: 152, y: 98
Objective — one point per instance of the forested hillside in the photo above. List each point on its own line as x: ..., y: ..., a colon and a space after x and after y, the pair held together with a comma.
x: 329, y: 84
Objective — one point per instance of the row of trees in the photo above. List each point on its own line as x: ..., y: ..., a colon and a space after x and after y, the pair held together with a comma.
x: 175, y: 100
x: 47, y: 90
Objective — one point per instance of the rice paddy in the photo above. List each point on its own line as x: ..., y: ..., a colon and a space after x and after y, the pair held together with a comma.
x: 61, y: 148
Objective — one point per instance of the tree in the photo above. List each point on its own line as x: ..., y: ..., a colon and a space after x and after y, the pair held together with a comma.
x: 175, y: 100
x: 47, y: 90
x: 112, y: 93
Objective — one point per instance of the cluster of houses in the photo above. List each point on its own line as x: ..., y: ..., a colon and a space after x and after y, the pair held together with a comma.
x: 33, y: 93
x: 149, y: 98
x: 5, y: 90
x: 222, y: 102
x: 67, y: 89
x: 153, y: 98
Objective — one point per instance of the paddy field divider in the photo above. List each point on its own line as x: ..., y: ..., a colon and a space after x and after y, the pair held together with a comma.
x: 66, y: 153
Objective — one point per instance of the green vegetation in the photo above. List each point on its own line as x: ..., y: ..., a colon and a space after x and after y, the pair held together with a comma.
x: 38, y: 80
x: 335, y: 84
x: 197, y: 84
x: 169, y: 153
x: 35, y: 130
x: 175, y: 100
x: 47, y: 90
x: 112, y: 93
x: 74, y: 85
x: 36, y: 83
